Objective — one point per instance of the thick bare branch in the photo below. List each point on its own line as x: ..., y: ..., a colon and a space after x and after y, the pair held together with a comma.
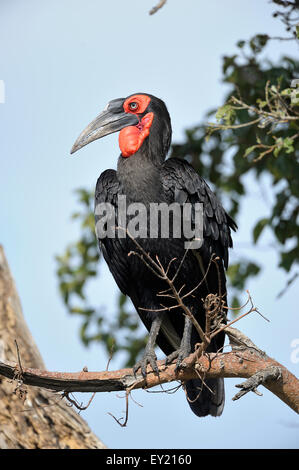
x: 244, y: 361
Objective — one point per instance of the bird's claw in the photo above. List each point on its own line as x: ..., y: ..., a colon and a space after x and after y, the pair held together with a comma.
x: 148, y: 358
x: 180, y: 354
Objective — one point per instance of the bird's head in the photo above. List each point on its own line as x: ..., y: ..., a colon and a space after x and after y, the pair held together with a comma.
x: 143, y: 122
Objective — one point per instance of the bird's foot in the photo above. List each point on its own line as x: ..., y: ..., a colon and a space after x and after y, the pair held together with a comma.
x: 180, y: 354
x: 185, y: 348
x: 148, y: 358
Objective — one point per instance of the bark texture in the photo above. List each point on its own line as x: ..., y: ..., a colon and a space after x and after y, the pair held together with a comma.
x: 31, y: 417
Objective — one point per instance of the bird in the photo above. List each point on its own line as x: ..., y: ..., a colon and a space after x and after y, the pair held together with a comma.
x: 146, y: 176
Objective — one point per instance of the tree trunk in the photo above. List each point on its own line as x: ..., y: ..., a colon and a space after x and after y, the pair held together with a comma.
x: 31, y: 417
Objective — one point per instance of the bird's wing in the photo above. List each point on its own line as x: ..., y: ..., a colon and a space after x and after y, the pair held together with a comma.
x: 107, y: 191
x: 181, y: 183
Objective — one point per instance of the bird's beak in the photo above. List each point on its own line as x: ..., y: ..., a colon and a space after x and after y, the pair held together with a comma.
x: 112, y: 119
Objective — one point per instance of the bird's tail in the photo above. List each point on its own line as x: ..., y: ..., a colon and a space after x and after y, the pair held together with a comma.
x: 206, y: 398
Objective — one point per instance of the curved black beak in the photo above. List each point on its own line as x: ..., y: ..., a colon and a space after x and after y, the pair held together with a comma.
x: 112, y: 119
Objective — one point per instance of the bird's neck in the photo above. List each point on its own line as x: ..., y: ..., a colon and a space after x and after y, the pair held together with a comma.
x: 139, y: 176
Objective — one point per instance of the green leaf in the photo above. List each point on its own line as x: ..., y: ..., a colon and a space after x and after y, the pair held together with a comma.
x: 238, y: 273
x: 295, y: 97
x: 279, y: 145
x: 249, y: 150
x: 259, y: 227
x: 261, y: 103
x: 288, y: 145
x: 227, y: 114
x: 121, y: 300
x: 288, y: 258
x: 235, y: 302
x: 286, y: 92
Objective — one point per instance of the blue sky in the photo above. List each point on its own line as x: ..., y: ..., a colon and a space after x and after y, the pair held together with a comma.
x: 61, y: 63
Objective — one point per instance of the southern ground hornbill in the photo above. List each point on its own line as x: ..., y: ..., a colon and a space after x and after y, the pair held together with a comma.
x: 144, y: 176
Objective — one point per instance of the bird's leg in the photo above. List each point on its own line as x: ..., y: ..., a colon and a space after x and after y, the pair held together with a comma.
x: 149, y: 356
x: 185, y: 346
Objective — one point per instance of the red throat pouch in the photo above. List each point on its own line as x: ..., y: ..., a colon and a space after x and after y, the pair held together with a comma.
x: 132, y: 137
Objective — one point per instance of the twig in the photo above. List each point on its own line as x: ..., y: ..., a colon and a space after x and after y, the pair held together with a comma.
x: 75, y: 402
x: 160, y: 272
x: 19, y: 358
x: 157, y: 7
x: 124, y: 424
x: 110, y: 355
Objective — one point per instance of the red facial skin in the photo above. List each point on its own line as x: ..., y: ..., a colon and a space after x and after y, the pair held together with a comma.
x: 132, y: 137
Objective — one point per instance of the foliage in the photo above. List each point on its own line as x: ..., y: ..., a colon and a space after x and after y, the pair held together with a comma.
x: 256, y: 134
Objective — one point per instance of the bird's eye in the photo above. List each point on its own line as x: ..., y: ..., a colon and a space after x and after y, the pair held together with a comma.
x: 133, y: 106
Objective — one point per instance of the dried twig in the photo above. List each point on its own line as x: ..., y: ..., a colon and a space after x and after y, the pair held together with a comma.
x: 157, y: 7
x: 118, y: 420
x: 162, y: 273
x: 75, y: 402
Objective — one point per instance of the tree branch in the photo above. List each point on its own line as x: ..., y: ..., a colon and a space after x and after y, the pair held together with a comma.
x: 245, y: 360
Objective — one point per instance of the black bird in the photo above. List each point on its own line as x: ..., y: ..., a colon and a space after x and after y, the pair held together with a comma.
x: 144, y: 176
